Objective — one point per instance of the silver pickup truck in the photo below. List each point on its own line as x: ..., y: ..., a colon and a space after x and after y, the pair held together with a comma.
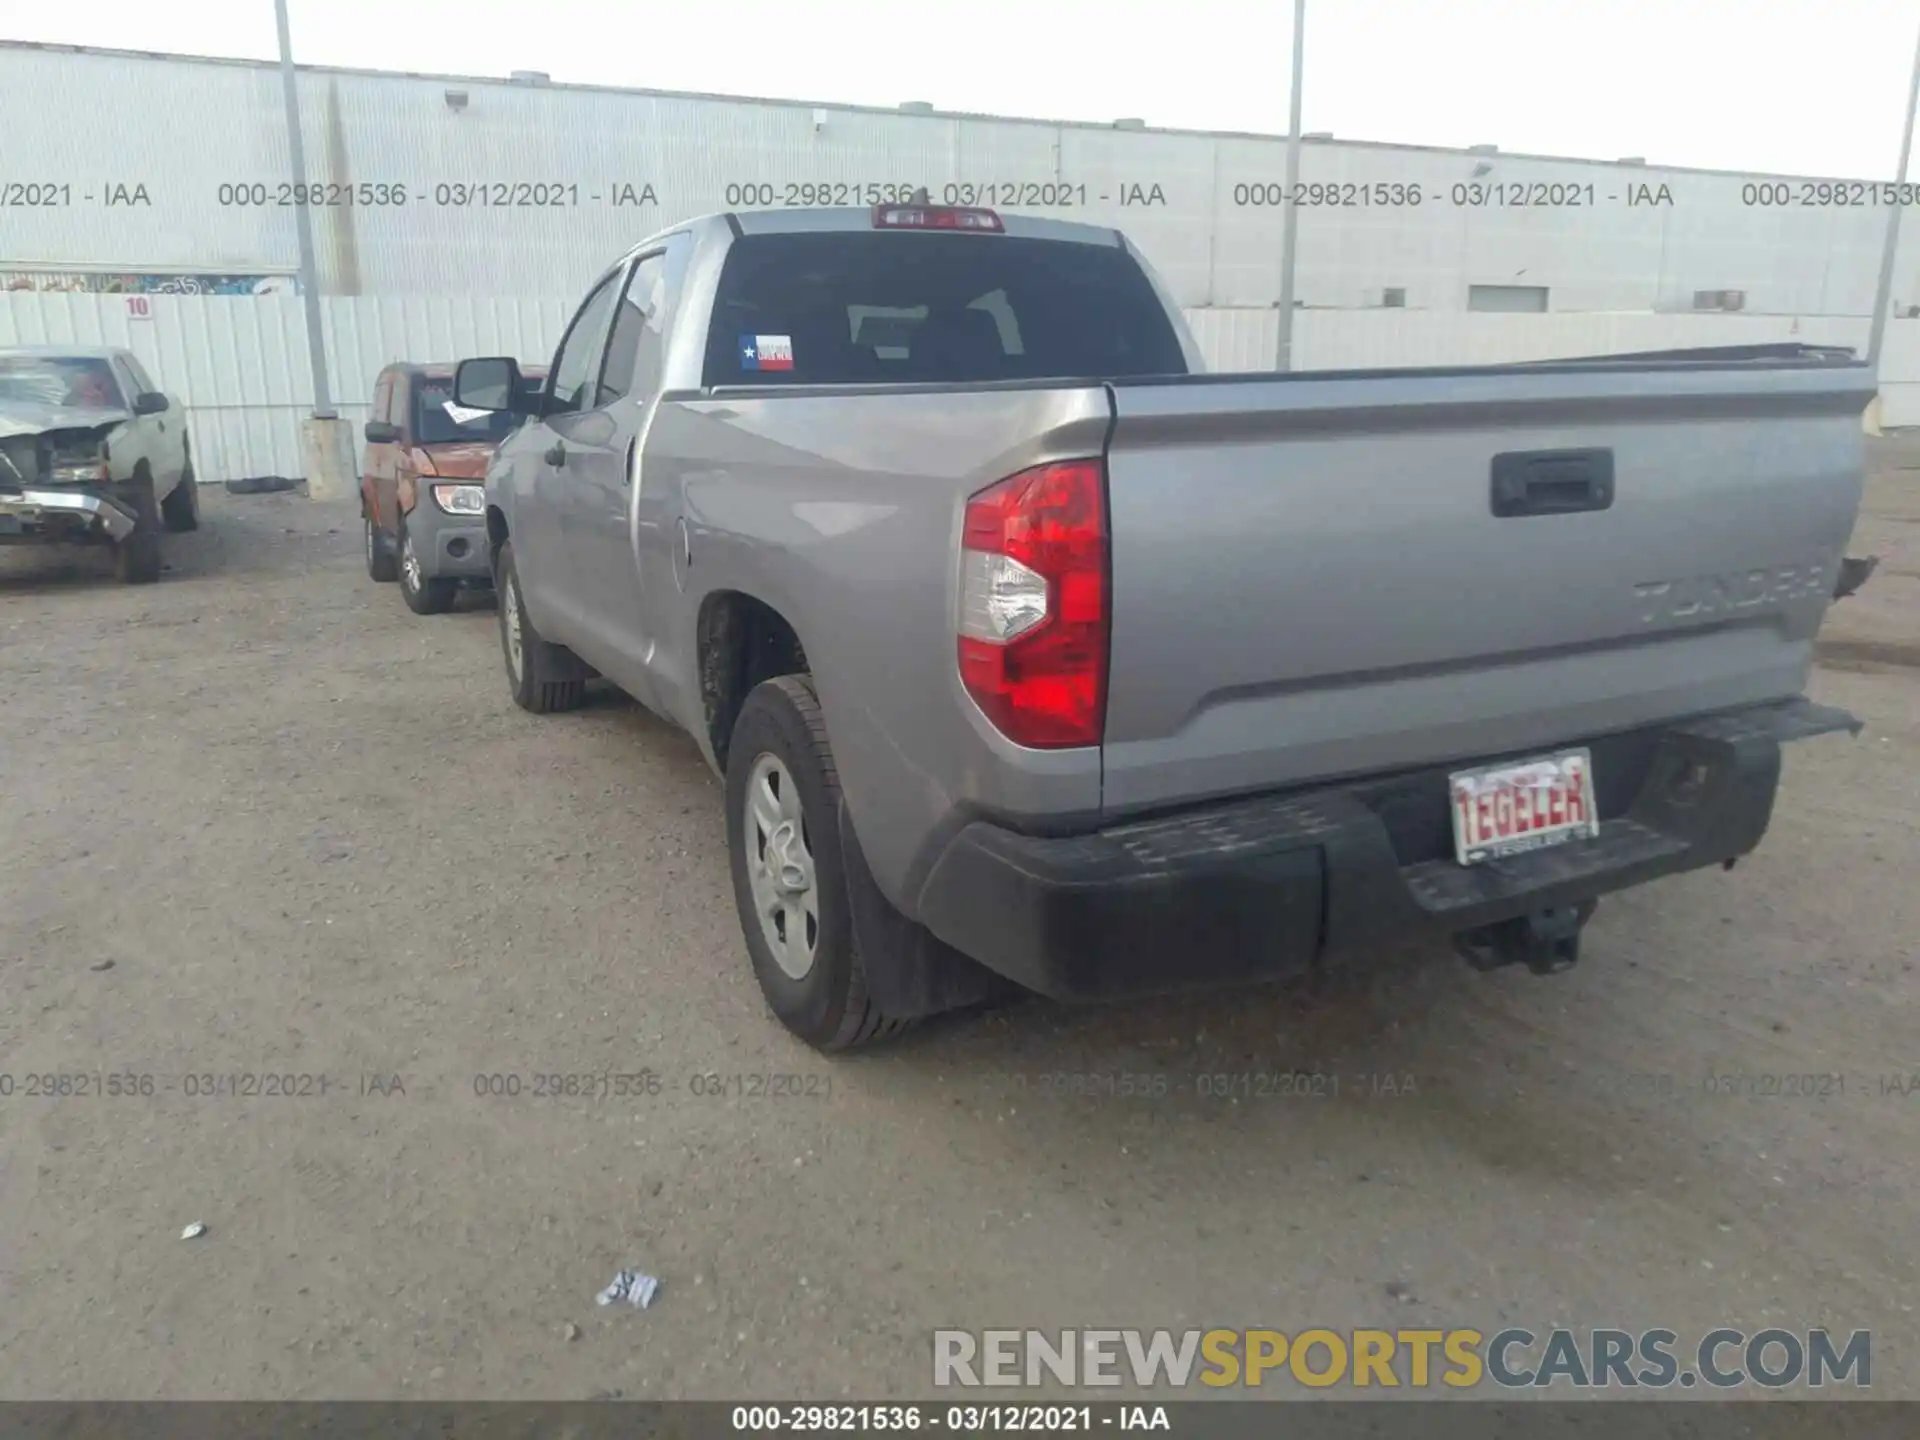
x: 1031, y: 654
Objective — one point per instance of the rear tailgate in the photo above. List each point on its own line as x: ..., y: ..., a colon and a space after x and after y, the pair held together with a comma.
x: 1310, y: 579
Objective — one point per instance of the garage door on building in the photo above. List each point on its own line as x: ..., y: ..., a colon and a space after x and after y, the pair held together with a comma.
x: 1511, y: 299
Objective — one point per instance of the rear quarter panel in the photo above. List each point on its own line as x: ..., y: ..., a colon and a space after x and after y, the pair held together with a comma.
x: 842, y: 511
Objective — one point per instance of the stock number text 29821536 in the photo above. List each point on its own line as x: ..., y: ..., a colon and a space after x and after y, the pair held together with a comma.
x: 469, y: 194
x: 1473, y: 194
x: 1008, y: 194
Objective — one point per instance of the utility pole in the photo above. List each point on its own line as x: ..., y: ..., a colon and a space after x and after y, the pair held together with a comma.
x: 1291, y: 234
x: 1883, y: 296
x: 303, y: 225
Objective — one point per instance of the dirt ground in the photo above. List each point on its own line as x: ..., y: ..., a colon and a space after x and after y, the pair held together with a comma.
x: 260, y: 821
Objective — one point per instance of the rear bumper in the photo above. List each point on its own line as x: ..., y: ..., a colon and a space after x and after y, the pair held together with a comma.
x: 48, y: 513
x: 1263, y: 888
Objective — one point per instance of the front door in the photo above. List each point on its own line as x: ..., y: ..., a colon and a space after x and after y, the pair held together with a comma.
x: 608, y: 498
x: 165, y: 441
x: 381, y: 463
x: 550, y: 581
x: 138, y: 441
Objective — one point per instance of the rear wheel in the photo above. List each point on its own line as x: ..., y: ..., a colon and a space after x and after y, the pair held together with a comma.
x: 545, y: 677
x: 424, y: 596
x: 181, y: 509
x: 136, y: 558
x: 789, y: 878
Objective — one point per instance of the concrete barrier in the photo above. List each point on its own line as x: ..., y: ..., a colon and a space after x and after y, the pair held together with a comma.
x: 326, y: 458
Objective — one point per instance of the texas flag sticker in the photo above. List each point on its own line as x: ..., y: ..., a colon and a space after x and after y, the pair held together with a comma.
x: 766, y: 352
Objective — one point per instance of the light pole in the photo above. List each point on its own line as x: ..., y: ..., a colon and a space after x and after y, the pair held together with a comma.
x: 1290, y: 234
x: 1883, y: 295
x: 302, y: 224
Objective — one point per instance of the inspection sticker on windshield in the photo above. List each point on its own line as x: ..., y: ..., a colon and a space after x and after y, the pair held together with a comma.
x: 1505, y: 809
x: 766, y: 352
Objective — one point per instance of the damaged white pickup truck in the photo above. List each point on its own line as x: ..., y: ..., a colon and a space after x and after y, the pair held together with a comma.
x: 92, y: 452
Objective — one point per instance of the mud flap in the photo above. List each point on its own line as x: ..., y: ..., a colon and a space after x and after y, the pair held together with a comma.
x: 910, y: 973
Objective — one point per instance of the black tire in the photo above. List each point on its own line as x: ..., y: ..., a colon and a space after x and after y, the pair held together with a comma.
x: 136, y: 559
x: 181, y: 509
x: 828, y: 1006
x: 382, y: 566
x: 424, y: 596
x: 547, y: 678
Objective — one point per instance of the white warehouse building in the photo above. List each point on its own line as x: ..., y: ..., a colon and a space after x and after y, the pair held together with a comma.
x: 464, y: 215
x: 441, y: 184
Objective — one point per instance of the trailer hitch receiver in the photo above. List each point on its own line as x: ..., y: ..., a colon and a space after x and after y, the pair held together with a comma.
x: 1547, y: 942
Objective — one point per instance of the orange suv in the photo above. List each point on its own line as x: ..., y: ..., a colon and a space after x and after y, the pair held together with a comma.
x: 422, y: 496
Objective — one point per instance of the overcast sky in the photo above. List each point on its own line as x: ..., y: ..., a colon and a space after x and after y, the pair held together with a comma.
x: 1795, y: 86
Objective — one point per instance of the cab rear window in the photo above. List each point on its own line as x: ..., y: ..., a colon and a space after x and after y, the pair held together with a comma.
x: 840, y: 307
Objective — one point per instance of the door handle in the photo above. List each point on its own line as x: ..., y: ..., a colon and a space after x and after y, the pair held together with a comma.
x: 557, y: 453
x: 626, y: 470
x: 1551, y: 482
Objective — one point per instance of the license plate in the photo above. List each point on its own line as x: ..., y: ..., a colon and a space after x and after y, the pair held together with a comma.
x: 1506, y: 809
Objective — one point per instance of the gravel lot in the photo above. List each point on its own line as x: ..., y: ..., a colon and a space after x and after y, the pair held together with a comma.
x: 259, y: 820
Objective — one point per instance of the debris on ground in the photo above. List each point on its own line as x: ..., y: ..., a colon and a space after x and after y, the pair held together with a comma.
x: 631, y: 1286
x: 193, y: 1231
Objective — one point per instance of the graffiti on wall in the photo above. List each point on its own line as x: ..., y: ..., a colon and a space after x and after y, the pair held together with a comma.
x: 86, y: 282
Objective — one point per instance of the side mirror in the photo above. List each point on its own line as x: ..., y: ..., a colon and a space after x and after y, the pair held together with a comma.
x: 382, y: 432
x: 149, y: 402
x: 490, y: 384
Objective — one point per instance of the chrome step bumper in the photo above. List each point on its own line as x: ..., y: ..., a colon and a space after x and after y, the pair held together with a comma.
x: 30, y: 507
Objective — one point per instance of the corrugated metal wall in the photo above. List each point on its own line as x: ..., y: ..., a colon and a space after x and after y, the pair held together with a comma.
x: 1203, y: 207
x: 240, y: 365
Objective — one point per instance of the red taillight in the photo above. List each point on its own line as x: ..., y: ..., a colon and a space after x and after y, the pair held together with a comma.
x: 1033, y: 604
x: 936, y: 217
